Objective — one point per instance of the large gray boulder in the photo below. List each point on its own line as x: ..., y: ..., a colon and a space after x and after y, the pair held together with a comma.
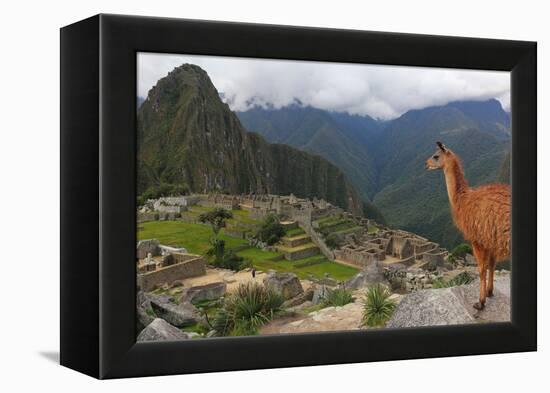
x: 200, y: 293
x: 370, y: 275
x: 143, y: 319
x: 179, y: 315
x: 286, y: 284
x: 452, y: 306
x: 143, y: 310
x: 319, y: 293
x: 160, y: 330
x: 303, y: 297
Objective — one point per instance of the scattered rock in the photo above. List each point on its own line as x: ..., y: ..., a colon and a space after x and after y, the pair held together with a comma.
x: 286, y: 284
x: 160, y: 330
x: 299, y: 299
x: 372, y: 274
x: 179, y: 315
x: 319, y: 293
x: 199, y: 293
x: 347, y: 317
x: 143, y: 318
x: 300, y: 307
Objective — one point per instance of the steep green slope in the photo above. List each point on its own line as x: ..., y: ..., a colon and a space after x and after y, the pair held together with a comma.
x: 415, y: 199
x: 386, y: 161
x: 342, y: 139
x: 188, y: 137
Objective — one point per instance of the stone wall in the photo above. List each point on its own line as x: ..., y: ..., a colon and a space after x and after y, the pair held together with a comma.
x: 145, y: 247
x: 434, y: 260
x: 185, y: 266
x: 358, y: 256
x: 318, y: 240
x: 305, y: 253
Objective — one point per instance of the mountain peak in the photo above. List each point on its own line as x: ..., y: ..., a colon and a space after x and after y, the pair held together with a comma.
x: 186, y: 75
x: 488, y: 111
x: 187, y: 137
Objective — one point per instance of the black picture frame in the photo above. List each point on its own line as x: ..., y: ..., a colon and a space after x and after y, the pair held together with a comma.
x: 98, y: 225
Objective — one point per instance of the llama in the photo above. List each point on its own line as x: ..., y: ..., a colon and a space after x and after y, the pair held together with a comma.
x: 482, y: 214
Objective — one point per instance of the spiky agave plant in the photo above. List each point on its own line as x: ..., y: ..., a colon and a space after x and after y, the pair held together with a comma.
x: 246, y: 310
x: 378, y: 307
x: 338, y: 297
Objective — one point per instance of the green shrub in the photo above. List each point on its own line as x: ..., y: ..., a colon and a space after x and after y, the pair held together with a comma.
x: 216, y: 252
x: 378, y: 307
x: 271, y: 230
x: 337, y: 297
x: 226, y: 259
x: 461, y: 250
x: 246, y: 310
x: 333, y: 241
x: 216, y: 218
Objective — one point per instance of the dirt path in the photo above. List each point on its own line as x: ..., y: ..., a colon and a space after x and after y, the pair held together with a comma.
x: 232, y: 279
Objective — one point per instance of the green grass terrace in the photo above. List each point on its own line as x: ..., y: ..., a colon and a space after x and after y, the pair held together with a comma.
x: 195, y: 238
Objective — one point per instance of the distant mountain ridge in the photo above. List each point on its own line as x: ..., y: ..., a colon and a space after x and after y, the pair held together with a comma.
x: 188, y: 137
x: 385, y: 160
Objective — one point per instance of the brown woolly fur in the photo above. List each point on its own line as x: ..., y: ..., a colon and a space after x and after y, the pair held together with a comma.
x: 482, y: 214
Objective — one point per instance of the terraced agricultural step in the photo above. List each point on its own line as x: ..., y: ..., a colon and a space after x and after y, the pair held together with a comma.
x: 294, y: 232
x: 288, y: 225
x: 300, y: 252
x: 296, y: 241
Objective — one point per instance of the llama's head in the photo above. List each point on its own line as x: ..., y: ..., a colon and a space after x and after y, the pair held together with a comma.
x: 439, y: 158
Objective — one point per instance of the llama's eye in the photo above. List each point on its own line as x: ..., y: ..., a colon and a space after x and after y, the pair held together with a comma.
x: 436, y: 157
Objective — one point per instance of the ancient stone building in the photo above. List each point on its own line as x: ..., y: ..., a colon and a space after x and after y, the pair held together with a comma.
x: 158, y: 264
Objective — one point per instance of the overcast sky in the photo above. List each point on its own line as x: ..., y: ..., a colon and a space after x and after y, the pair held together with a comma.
x: 383, y: 92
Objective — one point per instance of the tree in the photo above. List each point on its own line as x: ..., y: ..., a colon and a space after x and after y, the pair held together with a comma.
x: 216, y: 218
x: 271, y: 230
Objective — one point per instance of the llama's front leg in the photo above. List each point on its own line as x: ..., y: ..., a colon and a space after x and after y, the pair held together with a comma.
x: 481, y: 259
x: 482, y: 288
x: 491, y: 275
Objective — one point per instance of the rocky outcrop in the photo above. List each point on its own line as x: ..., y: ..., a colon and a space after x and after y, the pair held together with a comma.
x: 347, y: 317
x: 286, y: 284
x: 200, y: 293
x: 372, y: 274
x: 301, y: 298
x: 160, y: 330
x: 179, y: 315
x: 452, y: 306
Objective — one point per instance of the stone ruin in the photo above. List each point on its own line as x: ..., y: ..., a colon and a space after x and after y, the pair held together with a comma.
x: 158, y: 264
x: 391, y: 246
x: 259, y: 206
x: 172, y: 204
x: 228, y: 202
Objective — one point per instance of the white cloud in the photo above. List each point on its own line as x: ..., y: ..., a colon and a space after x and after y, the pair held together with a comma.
x: 380, y: 91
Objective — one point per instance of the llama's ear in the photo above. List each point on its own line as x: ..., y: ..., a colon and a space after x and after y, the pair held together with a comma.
x: 441, y: 146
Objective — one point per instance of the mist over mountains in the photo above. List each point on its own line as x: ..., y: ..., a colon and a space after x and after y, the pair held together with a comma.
x: 188, y: 136
x: 385, y: 160
x: 190, y: 141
